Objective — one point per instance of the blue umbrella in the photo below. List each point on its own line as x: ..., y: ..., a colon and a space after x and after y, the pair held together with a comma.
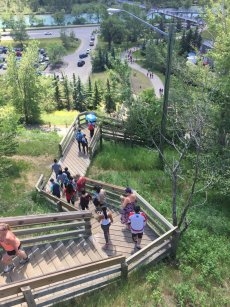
x: 91, y: 117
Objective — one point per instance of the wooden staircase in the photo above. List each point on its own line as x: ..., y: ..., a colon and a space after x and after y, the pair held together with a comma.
x: 51, y: 257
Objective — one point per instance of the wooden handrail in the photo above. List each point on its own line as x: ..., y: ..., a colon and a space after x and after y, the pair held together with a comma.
x: 39, y: 182
x: 159, y: 216
x: 58, y: 201
x: 151, y: 245
x: 45, y: 218
x: 15, y: 288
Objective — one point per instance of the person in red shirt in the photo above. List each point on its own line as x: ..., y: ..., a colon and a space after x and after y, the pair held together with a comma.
x: 12, y: 246
x: 80, y: 184
x: 70, y: 192
x: 91, y: 128
x: 137, y: 222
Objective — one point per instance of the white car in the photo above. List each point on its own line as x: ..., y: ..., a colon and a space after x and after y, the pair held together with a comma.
x: 48, y: 33
x: 88, y: 50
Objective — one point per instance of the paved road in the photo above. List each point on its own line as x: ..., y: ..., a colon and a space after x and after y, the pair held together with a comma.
x: 70, y: 61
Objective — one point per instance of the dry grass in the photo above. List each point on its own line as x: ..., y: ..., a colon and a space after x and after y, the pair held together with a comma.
x: 139, y: 82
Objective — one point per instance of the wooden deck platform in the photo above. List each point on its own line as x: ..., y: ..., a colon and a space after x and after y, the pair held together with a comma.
x: 76, y: 161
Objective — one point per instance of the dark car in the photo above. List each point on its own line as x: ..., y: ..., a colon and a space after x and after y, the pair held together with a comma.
x: 83, y: 55
x: 80, y: 63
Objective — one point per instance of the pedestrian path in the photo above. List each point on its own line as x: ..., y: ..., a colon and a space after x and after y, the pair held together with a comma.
x: 155, y: 80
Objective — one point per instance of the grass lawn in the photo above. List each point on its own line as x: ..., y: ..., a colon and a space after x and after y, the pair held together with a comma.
x: 99, y: 77
x: 34, y: 156
x: 59, y: 118
x: 139, y: 82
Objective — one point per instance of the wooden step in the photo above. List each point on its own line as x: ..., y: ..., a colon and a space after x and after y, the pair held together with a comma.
x: 78, y: 253
x: 93, y: 241
x: 64, y: 255
x: 50, y: 267
x: 54, y: 258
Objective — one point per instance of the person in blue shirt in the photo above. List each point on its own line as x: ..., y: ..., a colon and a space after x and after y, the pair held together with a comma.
x: 79, y: 136
x: 84, y: 143
x: 55, y: 188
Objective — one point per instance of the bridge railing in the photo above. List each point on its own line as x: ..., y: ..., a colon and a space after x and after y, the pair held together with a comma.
x: 157, y: 221
x: 72, y: 282
x: 44, y: 228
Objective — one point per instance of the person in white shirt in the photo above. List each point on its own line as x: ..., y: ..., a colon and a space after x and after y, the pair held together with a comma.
x: 137, y: 222
x: 105, y: 219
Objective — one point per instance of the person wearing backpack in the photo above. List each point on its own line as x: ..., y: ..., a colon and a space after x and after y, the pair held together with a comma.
x: 84, y: 143
x: 91, y: 128
x: 79, y: 136
x: 55, y: 188
x: 70, y: 192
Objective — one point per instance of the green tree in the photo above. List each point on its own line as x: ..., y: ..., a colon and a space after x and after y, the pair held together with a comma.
x: 55, y: 51
x: 112, y: 30
x: 67, y: 93
x: 59, y: 17
x: 23, y: 84
x: 89, y: 95
x: 110, y: 105
x: 96, y: 96
x: 8, y: 141
x: 18, y: 31
x: 57, y: 94
x: 80, y: 98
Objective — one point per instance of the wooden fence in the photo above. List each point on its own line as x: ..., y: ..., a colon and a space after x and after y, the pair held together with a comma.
x: 50, y: 227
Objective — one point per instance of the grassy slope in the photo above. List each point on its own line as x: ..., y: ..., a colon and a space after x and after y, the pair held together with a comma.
x: 35, y: 154
x: 201, y: 278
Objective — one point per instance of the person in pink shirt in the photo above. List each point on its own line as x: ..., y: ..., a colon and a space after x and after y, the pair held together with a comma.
x: 12, y: 246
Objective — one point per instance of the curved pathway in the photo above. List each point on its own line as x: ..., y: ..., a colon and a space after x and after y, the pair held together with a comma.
x: 155, y: 80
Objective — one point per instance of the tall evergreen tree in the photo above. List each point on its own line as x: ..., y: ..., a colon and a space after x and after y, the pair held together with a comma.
x: 96, y: 96
x: 57, y: 94
x: 67, y: 93
x: 89, y: 95
x: 110, y: 105
x: 74, y: 90
x: 80, y: 99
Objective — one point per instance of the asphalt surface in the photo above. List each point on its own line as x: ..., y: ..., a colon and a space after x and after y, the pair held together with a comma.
x: 69, y: 66
x: 70, y: 61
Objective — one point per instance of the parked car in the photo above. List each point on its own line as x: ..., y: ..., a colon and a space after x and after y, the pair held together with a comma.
x: 4, y: 66
x: 92, y: 38
x: 88, y: 51
x: 3, y: 49
x: 80, y: 63
x: 83, y: 55
x: 48, y: 33
x: 91, y: 43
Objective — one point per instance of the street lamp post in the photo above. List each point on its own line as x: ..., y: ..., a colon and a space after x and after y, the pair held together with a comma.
x: 169, y: 37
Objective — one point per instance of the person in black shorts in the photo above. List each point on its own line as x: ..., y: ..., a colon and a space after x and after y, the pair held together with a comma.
x: 84, y: 200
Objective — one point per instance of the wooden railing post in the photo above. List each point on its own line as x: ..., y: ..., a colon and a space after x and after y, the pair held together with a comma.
x: 124, y: 270
x: 26, y: 290
x: 59, y: 206
x: 100, y: 137
x: 88, y: 227
x: 60, y: 150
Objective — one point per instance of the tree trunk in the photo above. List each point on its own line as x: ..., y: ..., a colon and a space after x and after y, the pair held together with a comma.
x: 174, y: 242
